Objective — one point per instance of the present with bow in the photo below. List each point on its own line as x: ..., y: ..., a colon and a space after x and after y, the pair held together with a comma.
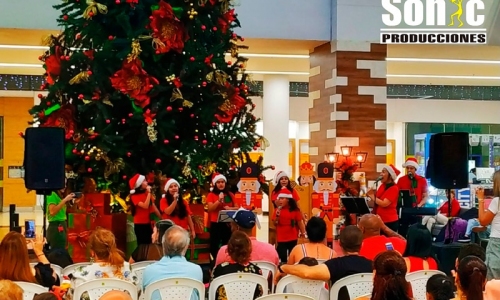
x: 80, y: 226
x: 100, y: 202
x: 117, y: 224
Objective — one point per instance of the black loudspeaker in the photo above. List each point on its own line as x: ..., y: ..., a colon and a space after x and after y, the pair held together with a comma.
x: 44, y: 159
x: 449, y: 160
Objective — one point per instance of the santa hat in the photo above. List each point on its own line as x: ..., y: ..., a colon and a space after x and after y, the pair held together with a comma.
x: 169, y: 182
x: 411, y: 162
x: 392, y: 171
x: 135, y: 182
x: 278, y: 176
x: 217, y: 176
x: 285, y: 193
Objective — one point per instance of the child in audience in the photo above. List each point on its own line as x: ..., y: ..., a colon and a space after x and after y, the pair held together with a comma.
x: 439, y: 287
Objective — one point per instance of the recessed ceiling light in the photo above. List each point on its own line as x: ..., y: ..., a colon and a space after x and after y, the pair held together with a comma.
x: 439, y: 60
x: 444, y: 76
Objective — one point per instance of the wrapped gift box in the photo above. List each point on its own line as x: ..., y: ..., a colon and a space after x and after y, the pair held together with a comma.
x: 101, y: 202
x: 116, y: 223
x: 80, y: 226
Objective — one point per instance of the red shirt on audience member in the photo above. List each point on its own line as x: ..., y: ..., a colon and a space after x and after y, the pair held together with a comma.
x: 376, y: 244
x: 455, y: 208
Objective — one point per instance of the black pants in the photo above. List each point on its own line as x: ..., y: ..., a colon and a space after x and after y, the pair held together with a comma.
x: 143, y: 233
x: 219, y: 236
x: 284, y: 248
x: 394, y: 226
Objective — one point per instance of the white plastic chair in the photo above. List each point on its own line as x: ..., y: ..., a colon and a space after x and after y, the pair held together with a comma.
x: 175, y: 288
x: 418, y: 281
x: 31, y: 289
x: 357, y: 285
x: 238, y: 286
x: 267, y: 268
x: 297, y: 285
x: 286, y: 296
x: 56, y: 269
x: 98, y: 287
x: 141, y: 264
x: 71, y: 268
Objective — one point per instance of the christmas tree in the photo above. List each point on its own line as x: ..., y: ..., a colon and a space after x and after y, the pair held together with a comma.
x: 151, y: 87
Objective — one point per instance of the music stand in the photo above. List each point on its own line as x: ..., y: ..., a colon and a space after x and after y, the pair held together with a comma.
x: 355, y: 205
x: 406, y: 199
x: 226, y: 216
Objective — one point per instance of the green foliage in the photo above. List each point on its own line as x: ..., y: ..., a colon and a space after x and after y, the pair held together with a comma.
x: 145, y: 86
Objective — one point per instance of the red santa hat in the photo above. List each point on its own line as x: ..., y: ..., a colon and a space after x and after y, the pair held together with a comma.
x: 285, y: 193
x: 136, y: 182
x: 392, y: 171
x: 217, y: 176
x: 278, y: 176
x: 169, y: 182
x: 411, y: 162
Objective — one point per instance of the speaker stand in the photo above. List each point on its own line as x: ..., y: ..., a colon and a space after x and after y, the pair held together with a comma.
x: 449, y: 240
x: 44, y: 194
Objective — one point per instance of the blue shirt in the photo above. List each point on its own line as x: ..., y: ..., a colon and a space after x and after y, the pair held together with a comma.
x: 171, y: 267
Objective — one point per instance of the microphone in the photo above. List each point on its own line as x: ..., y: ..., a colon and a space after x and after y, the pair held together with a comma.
x: 378, y: 179
x: 278, y: 211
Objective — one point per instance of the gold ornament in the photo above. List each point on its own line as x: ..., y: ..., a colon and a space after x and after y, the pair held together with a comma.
x: 136, y: 51
x: 209, y: 169
x: 79, y: 78
x: 152, y: 133
x: 177, y: 95
x: 186, y: 170
x: 192, y: 13
x: 218, y: 76
x: 264, y: 143
x: 48, y: 40
x: 92, y: 9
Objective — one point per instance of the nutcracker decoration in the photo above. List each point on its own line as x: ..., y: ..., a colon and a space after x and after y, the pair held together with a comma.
x: 306, y: 173
x: 249, y: 196
x: 325, y: 202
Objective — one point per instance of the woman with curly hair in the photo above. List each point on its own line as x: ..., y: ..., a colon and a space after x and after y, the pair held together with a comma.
x: 239, y: 249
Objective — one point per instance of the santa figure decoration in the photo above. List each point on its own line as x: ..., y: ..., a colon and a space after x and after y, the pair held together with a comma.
x: 306, y: 173
x: 249, y: 196
x: 324, y: 201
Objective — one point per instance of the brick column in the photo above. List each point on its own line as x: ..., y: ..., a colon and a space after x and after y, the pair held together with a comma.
x: 348, y: 101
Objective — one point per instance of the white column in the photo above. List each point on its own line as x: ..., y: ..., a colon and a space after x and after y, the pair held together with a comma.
x: 275, y: 116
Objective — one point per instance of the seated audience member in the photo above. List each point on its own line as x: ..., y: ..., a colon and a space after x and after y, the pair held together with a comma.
x: 469, y: 250
x: 9, y: 290
x: 308, y: 261
x: 389, y: 282
x: 316, y: 246
x: 173, y: 264
x: 471, y: 224
x: 375, y: 243
x: 442, y: 216
x: 337, y: 268
x: 244, y: 221
x: 152, y: 251
x: 15, y: 265
x: 108, y: 260
x: 239, y: 249
x: 417, y: 254
x: 439, y: 287
x: 492, y: 290
x: 116, y: 295
x: 470, y: 278
x: 46, y: 296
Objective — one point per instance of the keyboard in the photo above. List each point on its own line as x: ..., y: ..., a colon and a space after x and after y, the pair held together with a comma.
x: 419, y: 211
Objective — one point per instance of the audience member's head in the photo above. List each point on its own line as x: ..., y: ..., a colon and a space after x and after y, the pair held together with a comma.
x: 243, y: 220
x: 45, y: 296
x: 159, y: 230
x: 470, y: 250
x: 492, y: 290
x: 116, y: 295
x: 239, y: 247
x: 351, y: 239
x: 175, y: 241
x: 102, y: 245
x: 440, y: 287
x: 389, y: 280
x: 316, y: 230
x: 369, y: 225
x: 10, y: 290
x: 308, y: 261
x: 471, y: 275
x: 14, y: 260
x: 418, y: 242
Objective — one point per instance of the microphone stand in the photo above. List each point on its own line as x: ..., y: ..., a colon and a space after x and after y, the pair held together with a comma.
x: 449, y: 240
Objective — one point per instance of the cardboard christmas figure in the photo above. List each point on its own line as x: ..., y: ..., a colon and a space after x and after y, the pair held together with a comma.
x: 249, y: 196
x: 325, y: 202
x: 306, y: 174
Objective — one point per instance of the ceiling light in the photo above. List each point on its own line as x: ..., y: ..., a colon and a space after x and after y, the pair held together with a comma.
x: 438, y: 60
x: 14, y: 65
x: 277, y: 73
x: 24, y: 47
x: 264, y: 55
x: 444, y: 76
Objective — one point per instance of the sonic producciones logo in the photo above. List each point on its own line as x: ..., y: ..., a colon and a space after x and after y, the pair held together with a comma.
x: 429, y: 22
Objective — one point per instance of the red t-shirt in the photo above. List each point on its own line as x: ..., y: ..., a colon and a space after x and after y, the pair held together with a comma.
x: 418, y: 264
x: 404, y: 183
x: 455, y: 208
x: 376, y: 244
x: 295, y: 195
x: 287, y: 228
x: 177, y: 221
x: 388, y: 214
x: 212, y: 198
x: 141, y: 214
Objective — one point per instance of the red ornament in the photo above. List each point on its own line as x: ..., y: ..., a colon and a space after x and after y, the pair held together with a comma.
x: 71, y: 132
x: 111, y: 37
x: 195, y: 137
x: 108, y: 121
x: 89, y: 170
x: 129, y: 154
x: 130, y: 115
x: 203, y: 27
x: 200, y: 167
x: 124, y: 177
x: 78, y: 36
x: 255, y: 148
x: 158, y: 161
x: 242, y: 39
x: 192, y: 58
x: 219, y: 146
x: 273, y: 167
x: 176, y: 137
x: 65, y: 17
x: 204, y: 83
x: 191, y: 115
x: 48, y: 103
x: 40, y: 57
x: 124, y: 121
x: 87, y: 158
x: 118, y: 2
x: 89, y: 72
x: 74, y: 151
x: 40, y: 96
x: 229, y: 63
x: 204, y: 142
x: 166, y: 141
x: 21, y: 134
x: 214, y: 124
x: 169, y: 108
x: 91, y: 14
x: 214, y: 28
x: 66, y: 57
x: 181, y: 109
x: 195, y: 181
x: 80, y: 96
x: 257, y: 144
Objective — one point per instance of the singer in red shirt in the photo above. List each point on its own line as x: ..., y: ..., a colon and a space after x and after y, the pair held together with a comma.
x: 416, y: 184
x: 385, y: 200
x: 442, y: 216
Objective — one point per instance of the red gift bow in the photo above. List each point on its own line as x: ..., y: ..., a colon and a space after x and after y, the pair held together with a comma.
x: 82, y: 238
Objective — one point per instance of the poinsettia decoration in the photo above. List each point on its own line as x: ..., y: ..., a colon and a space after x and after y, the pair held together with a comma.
x: 227, y: 19
x: 134, y: 81
x: 63, y: 118
x: 53, y: 65
x: 167, y: 29
x: 346, y: 169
